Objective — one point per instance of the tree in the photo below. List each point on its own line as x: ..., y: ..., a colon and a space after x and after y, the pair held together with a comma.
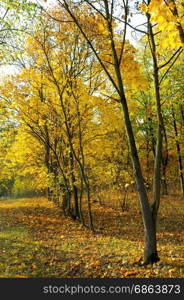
x: 105, y: 13
x: 56, y: 107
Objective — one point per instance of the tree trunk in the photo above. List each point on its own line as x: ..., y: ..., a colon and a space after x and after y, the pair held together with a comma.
x: 182, y: 112
x: 74, y: 188
x: 165, y: 160
x: 158, y: 154
x: 150, y: 247
x: 80, y: 202
x: 66, y: 203
x: 178, y: 152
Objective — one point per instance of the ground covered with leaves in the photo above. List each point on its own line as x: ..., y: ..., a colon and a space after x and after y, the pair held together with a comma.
x: 36, y: 240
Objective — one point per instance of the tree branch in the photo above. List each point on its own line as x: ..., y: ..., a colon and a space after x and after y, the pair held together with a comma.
x: 170, y: 67
x: 165, y: 64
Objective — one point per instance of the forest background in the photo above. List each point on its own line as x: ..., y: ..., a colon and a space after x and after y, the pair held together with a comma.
x: 92, y: 119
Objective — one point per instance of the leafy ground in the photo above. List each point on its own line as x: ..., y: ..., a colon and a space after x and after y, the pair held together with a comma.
x: 36, y: 240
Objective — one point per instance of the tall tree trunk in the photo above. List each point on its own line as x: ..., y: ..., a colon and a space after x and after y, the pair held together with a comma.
x: 178, y: 152
x: 158, y: 154
x: 165, y: 160
x: 182, y: 112
x: 74, y: 187
x: 150, y: 245
x: 151, y: 131
x: 47, y: 157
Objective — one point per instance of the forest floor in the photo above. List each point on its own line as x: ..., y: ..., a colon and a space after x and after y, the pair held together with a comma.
x: 36, y: 240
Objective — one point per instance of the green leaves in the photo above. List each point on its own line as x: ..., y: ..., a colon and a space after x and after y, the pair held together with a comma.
x: 18, y: 5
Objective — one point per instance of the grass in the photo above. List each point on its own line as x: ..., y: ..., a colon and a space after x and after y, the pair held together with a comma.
x: 36, y: 240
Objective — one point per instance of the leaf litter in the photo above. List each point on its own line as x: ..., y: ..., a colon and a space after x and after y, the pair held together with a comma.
x: 36, y: 240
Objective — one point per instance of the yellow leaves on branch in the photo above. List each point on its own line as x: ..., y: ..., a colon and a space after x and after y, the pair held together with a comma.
x: 154, y: 5
x: 164, y: 14
x: 131, y: 69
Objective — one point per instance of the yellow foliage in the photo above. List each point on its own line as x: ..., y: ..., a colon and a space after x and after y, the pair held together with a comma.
x: 168, y: 17
x: 144, y: 7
